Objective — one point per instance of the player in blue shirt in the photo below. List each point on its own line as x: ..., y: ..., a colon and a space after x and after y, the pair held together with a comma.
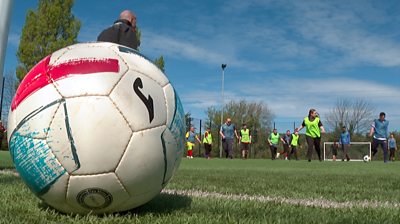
x: 379, y: 131
x: 344, y: 141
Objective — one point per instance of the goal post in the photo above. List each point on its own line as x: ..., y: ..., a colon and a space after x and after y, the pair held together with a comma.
x: 356, y: 152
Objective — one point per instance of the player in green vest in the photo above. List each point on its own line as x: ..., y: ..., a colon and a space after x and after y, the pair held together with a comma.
x: 245, y: 141
x: 314, y: 128
x: 273, y: 141
x: 294, y: 143
x: 207, y: 141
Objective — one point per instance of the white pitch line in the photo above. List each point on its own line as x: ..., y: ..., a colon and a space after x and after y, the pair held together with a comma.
x: 323, y: 203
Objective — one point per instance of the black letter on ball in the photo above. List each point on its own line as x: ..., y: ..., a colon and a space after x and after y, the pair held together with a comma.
x: 147, y: 101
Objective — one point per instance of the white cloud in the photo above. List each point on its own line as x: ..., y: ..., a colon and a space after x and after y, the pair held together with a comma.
x: 181, y: 48
x: 293, y: 97
x: 349, y: 32
x: 13, y: 39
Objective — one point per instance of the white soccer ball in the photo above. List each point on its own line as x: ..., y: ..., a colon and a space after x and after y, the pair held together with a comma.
x: 96, y: 127
x: 366, y: 158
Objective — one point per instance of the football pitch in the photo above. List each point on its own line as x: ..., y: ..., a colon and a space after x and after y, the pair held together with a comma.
x: 240, y: 191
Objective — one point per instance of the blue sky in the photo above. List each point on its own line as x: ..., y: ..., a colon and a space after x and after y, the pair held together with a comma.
x: 292, y: 55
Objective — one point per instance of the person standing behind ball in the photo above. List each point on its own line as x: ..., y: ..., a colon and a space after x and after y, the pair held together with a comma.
x: 228, y: 132
x: 122, y: 32
x: 314, y: 128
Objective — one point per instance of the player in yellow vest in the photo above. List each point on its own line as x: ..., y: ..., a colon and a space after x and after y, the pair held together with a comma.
x: 314, y: 128
x: 191, y: 138
x: 207, y: 141
x: 245, y: 141
x: 273, y: 141
x: 294, y: 143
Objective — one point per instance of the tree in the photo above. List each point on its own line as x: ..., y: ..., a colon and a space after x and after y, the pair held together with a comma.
x: 257, y: 116
x: 10, y: 86
x: 46, y: 30
x: 355, y: 114
x: 188, y: 120
x: 160, y: 63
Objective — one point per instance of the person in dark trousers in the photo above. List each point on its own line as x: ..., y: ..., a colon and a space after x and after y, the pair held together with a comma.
x: 379, y: 132
x: 344, y: 141
x: 228, y: 132
x: 314, y: 128
x: 286, y: 140
x: 334, y: 149
x: 392, y: 147
x: 294, y: 143
x: 245, y: 141
x: 122, y: 32
x: 273, y: 141
x: 207, y: 141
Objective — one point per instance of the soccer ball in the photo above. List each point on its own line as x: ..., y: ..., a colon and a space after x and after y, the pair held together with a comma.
x: 366, y: 158
x: 96, y: 127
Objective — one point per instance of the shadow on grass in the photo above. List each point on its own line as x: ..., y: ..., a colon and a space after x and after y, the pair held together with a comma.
x: 161, y: 204
x: 9, y: 180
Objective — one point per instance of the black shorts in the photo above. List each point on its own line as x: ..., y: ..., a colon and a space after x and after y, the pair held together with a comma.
x: 244, y: 146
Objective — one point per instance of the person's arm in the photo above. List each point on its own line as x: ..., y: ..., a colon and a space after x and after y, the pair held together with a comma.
x: 321, y: 127
x: 236, y: 134
x: 348, y: 135
x: 371, y: 131
x: 197, y: 137
x: 221, y: 133
x: 301, y: 126
x: 269, y: 139
x: 250, y: 136
x: 283, y: 141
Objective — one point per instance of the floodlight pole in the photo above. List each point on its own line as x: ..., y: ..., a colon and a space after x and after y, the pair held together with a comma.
x: 5, y: 13
x: 223, y: 66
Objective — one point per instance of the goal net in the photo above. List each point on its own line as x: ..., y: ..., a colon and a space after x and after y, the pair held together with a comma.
x: 356, y: 151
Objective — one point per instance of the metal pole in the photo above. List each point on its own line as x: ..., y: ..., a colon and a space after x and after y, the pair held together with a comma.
x: 2, y: 96
x: 200, y: 138
x: 223, y: 66
x: 5, y: 13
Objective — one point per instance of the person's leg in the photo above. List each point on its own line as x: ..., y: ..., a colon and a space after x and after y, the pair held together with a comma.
x: 271, y: 148
x: 343, y: 152
x: 346, y: 151
x: 392, y: 150
x: 385, y: 150
x: 230, y: 148
x: 310, y: 144
x: 374, y: 147
x: 286, y: 150
x: 225, y: 147
x: 317, y: 142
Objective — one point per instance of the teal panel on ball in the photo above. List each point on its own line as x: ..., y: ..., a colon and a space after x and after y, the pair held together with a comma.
x: 35, y: 163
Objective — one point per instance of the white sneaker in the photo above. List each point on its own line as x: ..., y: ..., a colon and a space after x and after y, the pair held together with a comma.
x: 187, y: 156
x: 277, y: 155
x: 191, y: 157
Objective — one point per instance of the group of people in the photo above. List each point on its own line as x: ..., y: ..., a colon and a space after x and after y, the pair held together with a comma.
x: 228, y: 133
x: 124, y: 32
x: 314, y: 129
